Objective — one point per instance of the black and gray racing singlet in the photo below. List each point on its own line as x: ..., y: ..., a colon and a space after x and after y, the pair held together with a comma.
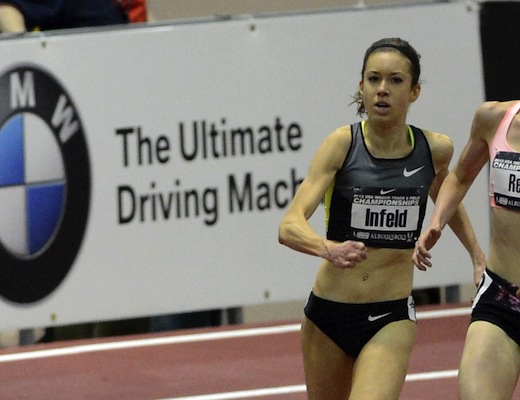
x: 380, y: 202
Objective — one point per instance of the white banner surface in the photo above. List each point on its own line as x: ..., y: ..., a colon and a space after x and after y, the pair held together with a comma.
x: 152, y: 165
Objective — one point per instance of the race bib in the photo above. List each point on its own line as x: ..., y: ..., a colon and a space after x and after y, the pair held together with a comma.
x: 386, y: 217
x: 505, y: 179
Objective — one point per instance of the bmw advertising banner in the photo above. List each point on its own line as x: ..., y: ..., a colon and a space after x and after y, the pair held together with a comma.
x: 144, y: 170
x: 44, y: 184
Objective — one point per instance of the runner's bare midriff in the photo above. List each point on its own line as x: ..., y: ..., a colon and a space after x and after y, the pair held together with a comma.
x: 387, y: 274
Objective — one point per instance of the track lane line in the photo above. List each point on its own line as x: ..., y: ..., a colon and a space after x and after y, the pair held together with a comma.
x: 245, y: 394
x: 190, y: 338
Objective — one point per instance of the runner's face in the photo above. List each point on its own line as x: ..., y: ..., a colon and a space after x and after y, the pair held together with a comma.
x: 387, y: 84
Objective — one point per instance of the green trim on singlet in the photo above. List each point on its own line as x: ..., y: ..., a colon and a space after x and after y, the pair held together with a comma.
x: 327, y: 199
x: 410, y: 132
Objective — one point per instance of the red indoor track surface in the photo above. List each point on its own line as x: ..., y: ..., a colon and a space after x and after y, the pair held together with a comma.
x: 239, y: 362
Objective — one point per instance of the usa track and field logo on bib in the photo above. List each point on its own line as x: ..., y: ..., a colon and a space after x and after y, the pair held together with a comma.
x: 44, y: 184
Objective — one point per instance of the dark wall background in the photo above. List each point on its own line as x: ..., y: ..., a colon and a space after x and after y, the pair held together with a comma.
x: 500, y: 38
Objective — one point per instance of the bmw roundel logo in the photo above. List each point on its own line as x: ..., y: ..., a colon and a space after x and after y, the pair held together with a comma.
x: 44, y: 184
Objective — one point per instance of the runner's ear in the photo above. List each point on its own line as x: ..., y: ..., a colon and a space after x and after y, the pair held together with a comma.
x: 415, y: 92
